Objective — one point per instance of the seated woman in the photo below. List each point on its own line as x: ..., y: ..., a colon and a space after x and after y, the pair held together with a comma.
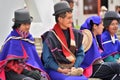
x: 93, y: 64
x: 18, y: 58
x: 62, y: 47
x: 110, y: 42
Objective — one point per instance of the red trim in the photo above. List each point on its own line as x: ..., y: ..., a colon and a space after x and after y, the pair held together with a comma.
x: 61, y: 35
x: 88, y: 71
x: 24, y: 51
x: 2, y: 75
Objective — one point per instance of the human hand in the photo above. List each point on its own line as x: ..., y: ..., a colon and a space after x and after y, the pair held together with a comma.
x: 33, y: 74
x: 118, y: 60
x: 64, y: 71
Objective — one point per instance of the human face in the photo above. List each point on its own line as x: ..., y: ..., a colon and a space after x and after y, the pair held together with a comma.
x: 71, y: 5
x: 66, y: 22
x: 113, y: 27
x: 25, y: 27
x: 98, y: 29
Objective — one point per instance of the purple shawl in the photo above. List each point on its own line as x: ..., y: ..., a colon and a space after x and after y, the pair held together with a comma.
x: 23, y: 49
x: 93, y: 53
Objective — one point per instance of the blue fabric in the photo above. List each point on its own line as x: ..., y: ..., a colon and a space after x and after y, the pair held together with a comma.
x: 51, y: 65
x: 111, y: 50
x: 14, y: 49
x: 55, y: 46
x: 86, y: 25
x: 91, y: 55
x: 49, y: 61
x: 59, y: 76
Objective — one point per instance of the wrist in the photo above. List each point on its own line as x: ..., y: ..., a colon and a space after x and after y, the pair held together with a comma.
x: 59, y: 69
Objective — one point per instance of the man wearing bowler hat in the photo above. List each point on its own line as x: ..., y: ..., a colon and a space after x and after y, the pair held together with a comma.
x: 62, y: 47
x: 18, y: 57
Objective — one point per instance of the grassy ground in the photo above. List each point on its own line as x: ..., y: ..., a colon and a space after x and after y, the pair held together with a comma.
x: 77, y: 27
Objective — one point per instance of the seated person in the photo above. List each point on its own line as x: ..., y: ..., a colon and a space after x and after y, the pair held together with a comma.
x: 18, y: 57
x: 62, y: 47
x: 93, y: 64
x: 110, y: 42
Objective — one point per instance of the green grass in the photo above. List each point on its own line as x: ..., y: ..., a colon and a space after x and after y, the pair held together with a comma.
x: 77, y: 27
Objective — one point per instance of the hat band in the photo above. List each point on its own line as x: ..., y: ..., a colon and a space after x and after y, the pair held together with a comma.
x: 61, y: 11
x: 111, y: 18
x: 23, y: 21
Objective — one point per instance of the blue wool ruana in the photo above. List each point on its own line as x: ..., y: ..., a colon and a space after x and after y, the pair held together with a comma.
x: 110, y: 48
x: 92, y: 54
x: 20, y: 49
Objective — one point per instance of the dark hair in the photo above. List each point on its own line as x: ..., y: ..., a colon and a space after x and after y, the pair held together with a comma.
x: 16, y: 25
x: 63, y: 15
x: 106, y: 23
x: 91, y: 24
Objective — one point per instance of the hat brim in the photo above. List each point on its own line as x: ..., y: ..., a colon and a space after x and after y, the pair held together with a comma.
x: 62, y: 11
x: 87, y: 39
x: 24, y: 21
x: 111, y: 18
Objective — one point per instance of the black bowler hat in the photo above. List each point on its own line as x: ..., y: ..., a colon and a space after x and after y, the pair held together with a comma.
x: 109, y: 16
x: 61, y: 7
x: 22, y: 16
